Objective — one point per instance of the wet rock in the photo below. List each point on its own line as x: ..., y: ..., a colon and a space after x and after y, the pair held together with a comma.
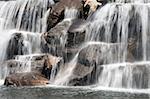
x: 57, y: 13
x: 134, y: 49
x: 15, y: 46
x: 54, y: 41
x: 26, y: 79
x: 82, y: 76
x: 94, y: 54
x: 88, y: 67
x: 56, y: 1
x: 76, y: 36
x: 49, y: 63
x: 64, y: 39
x: 76, y: 33
x: 42, y: 64
x: 22, y: 43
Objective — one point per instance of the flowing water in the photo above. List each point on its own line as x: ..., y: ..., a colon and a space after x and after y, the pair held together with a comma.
x: 23, y: 20
x: 117, y: 38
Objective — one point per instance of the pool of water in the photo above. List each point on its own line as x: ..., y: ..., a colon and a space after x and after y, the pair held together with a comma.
x: 55, y: 92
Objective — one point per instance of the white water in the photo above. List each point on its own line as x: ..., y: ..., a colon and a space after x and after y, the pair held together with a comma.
x: 65, y: 73
x: 71, y: 13
x: 117, y: 25
x: 24, y: 15
x: 112, y: 19
x: 28, y: 17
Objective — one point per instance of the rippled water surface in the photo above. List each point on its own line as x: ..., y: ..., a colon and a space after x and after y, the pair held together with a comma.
x: 69, y: 93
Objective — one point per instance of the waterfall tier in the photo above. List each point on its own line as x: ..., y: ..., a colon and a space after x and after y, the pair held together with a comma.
x: 110, y: 48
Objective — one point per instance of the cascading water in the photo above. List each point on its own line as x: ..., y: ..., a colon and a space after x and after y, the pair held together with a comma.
x: 126, y: 24
x: 70, y: 15
x: 21, y: 21
x: 116, y: 43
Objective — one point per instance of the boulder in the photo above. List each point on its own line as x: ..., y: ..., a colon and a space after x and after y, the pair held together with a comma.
x: 76, y: 37
x: 15, y: 46
x: 26, y: 79
x: 64, y: 39
x: 88, y: 67
x: 54, y: 41
x: 82, y: 75
x: 22, y: 43
x: 57, y: 13
x: 76, y: 33
x: 39, y: 64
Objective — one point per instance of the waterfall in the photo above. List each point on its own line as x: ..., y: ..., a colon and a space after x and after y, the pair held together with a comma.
x: 117, y: 39
x: 116, y: 49
x: 61, y: 78
x: 126, y: 23
x: 21, y: 22
x: 119, y: 23
x: 25, y: 15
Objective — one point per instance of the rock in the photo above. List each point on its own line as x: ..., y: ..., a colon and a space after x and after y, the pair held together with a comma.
x: 15, y: 46
x: 76, y: 33
x: 54, y: 41
x: 51, y: 63
x: 93, y: 54
x: 88, y: 67
x: 82, y: 76
x: 57, y: 13
x: 23, y: 43
x: 76, y: 36
x: 26, y: 79
x: 63, y: 40
x: 93, y: 4
x: 134, y: 49
x: 56, y: 1
x: 42, y: 64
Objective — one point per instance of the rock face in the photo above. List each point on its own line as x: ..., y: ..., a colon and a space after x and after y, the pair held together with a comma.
x: 76, y: 33
x: 26, y: 79
x: 62, y: 41
x: 15, y: 46
x: 57, y: 13
x: 41, y: 66
x: 54, y: 40
x: 88, y: 67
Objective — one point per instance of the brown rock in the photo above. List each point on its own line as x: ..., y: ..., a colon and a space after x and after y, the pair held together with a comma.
x: 53, y: 41
x: 26, y: 79
x: 57, y: 13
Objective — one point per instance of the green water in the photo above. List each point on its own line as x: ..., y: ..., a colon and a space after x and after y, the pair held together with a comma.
x: 65, y: 93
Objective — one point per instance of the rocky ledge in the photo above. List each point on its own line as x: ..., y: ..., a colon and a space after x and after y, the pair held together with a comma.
x: 61, y: 42
x: 41, y: 66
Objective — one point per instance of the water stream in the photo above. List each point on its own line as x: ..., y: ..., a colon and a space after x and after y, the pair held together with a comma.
x: 117, y: 41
